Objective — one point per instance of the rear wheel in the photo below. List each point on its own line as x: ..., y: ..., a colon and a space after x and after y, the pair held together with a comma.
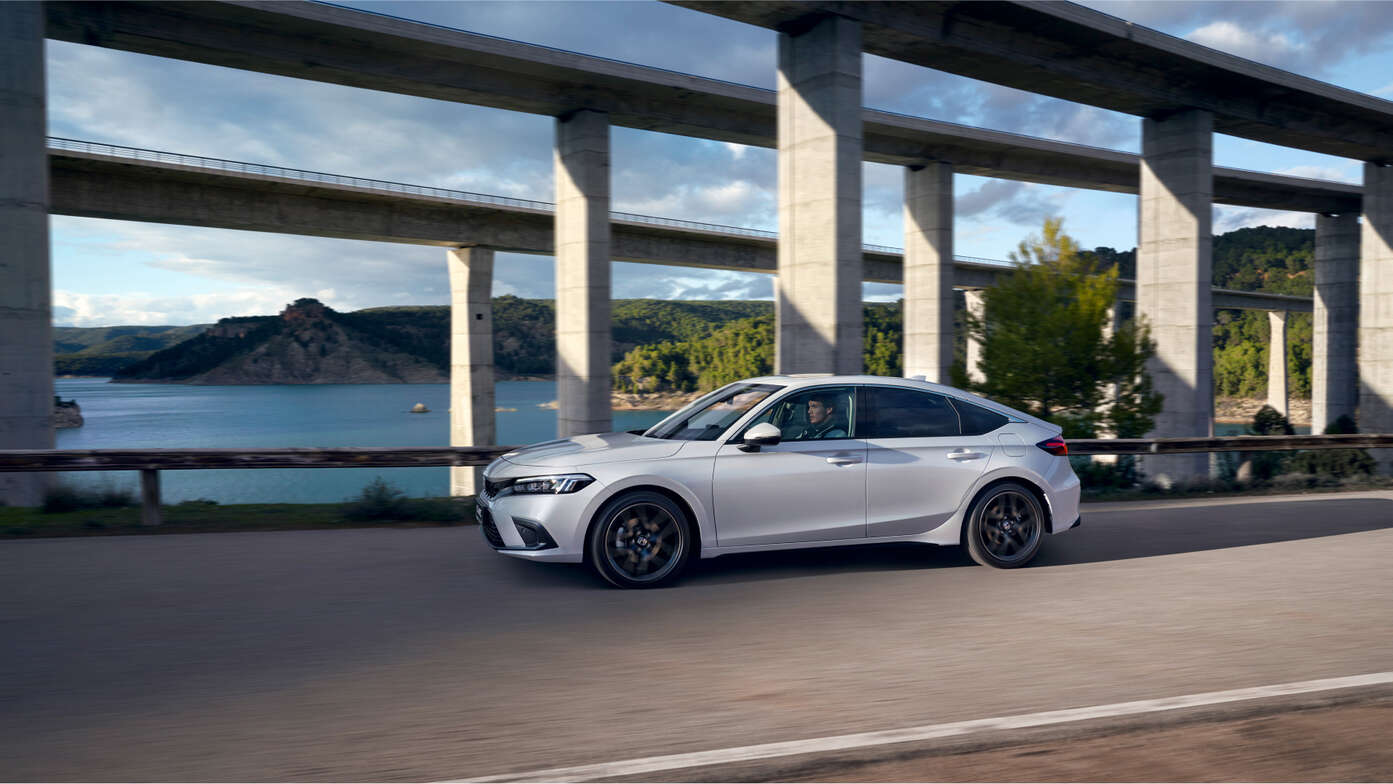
x: 640, y: 540
x: 1005, y: 527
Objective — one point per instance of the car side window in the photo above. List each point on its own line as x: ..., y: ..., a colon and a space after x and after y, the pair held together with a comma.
x: 819, y: 414
x: 978, y: 421
x: 896, y: 412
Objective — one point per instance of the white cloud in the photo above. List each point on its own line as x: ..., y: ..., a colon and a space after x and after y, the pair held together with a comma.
x: 1246, y: 42
x: 1314, y: 172
x: 1228, y: 219
x: 74, y: 309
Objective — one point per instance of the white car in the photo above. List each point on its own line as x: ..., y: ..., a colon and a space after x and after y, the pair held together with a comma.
x: 784, y: 462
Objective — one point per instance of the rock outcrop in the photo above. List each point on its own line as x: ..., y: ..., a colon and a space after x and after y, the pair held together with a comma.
x: 308, y: 343
x: 66, y: 413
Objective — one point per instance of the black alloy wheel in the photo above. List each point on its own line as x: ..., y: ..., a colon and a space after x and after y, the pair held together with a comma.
x: 1005, y: 527
x: 640, y: 539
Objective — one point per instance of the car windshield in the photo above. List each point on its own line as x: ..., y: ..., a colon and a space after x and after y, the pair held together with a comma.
x: 706, y: 418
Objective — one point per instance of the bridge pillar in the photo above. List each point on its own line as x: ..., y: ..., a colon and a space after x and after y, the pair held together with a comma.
x: 1376, y: 308
x: 471, y: 360
x: 928, y: 271
x: 1174, y: 271
x: 26, y: 314
x: 1277, y: 396
x: 976, y: 308
x: 1334, y: 386
x: 582, y: 274
x: 819, y: 141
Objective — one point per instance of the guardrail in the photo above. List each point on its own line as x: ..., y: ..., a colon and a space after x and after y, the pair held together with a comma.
x: 149, y: 462
x: 1165, y: 446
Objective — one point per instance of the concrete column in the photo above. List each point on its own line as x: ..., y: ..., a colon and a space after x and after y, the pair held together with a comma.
x: 1277, y: 396
x: 582, y: 274
x: 1376, y: 308
x: 928, y: 271
x: 819, y: 141
x: 977, y: 308
x: 471, y: 360
x: 1334, y: 386
x: 26, y: 314
x: 1174, y: 271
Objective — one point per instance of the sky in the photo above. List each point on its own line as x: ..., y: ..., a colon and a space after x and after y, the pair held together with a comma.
x: 112, y: 272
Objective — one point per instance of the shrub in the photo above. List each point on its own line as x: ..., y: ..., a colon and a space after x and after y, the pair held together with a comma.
x: 379, y: 500
x: 66, y: 498
x: 1269, y: 422
x: 1095, y: 476
x: 1334, y: 462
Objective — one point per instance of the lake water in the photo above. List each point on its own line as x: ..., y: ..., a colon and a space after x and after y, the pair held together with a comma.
x: 134, y: 416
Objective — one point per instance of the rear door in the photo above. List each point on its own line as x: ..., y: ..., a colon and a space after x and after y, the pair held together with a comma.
x: 920, y: 465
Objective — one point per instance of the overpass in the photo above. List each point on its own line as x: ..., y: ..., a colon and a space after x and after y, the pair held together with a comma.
x: 820, y: 224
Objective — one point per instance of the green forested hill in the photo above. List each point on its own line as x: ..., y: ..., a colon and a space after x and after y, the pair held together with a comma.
x: 1270, y: 259
x: 101, y: 351
x: 742, y: 349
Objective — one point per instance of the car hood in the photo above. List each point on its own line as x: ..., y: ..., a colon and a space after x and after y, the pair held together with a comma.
x: 592, y: 449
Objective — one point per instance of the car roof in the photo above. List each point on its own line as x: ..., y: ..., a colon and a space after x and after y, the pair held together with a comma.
x: 800, y: 380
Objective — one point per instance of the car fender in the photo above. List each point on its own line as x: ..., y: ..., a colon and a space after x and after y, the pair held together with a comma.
x: 950, y: 531
x: 699, y: 503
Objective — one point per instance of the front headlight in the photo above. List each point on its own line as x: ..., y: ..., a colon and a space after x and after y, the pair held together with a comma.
x: 556, y: 484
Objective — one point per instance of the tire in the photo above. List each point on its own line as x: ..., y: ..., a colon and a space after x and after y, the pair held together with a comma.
x: 639, y: 539
x: 1005, y: 526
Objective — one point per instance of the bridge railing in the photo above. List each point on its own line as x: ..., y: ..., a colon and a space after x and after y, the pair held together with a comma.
x: 242, y: 167
x: 149, y: 462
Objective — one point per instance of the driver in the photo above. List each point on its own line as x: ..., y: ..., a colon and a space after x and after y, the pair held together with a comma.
x: 822, y: 418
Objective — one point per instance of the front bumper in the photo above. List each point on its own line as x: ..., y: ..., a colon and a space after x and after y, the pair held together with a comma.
x: 556, y: 523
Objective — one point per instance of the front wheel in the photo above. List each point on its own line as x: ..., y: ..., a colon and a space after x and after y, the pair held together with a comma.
x: 640, y: 539
x: 1005, y: 527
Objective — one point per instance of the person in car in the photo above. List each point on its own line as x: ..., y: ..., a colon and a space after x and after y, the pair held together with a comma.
x: 823, y: 419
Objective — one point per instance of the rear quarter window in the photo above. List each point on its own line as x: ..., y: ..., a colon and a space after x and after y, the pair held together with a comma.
x: 977, y: 420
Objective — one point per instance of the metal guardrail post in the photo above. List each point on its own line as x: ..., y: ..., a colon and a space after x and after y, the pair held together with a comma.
x: 149, y: 497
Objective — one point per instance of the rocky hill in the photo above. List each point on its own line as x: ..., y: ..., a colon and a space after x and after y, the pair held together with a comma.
x: 308, y: 343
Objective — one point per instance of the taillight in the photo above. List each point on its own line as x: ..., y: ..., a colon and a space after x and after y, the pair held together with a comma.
x: 1055, y: 446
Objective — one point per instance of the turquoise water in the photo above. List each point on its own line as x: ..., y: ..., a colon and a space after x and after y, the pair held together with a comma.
x: 133, y: 416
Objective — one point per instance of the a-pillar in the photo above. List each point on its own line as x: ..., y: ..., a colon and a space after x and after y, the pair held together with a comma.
x: 471, y: 360
x: 1174, y: 269
x: 26, y: 330
x: 1334, y: 386
x: 976, y: 309
x: 819, y: 139
x: 928, y: 271
x: 582, y: 274
x: 1376, y: 308
x: 1277, y: 362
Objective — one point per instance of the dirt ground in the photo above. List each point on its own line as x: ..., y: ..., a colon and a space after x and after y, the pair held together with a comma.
x: 1342, y: 743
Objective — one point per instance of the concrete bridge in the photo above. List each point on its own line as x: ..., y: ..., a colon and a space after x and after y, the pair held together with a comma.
x: 823, y: 136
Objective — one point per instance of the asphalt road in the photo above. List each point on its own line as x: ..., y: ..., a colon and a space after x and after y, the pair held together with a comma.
x: 418, y: 654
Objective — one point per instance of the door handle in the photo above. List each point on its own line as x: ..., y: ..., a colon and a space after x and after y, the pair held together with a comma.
x: 963, y: 454
x: 843, y: 460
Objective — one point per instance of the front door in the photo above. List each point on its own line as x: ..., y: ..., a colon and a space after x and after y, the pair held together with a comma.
x: 810, y: 487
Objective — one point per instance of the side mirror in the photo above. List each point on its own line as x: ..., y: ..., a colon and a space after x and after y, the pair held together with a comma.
x: 762, y: 434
